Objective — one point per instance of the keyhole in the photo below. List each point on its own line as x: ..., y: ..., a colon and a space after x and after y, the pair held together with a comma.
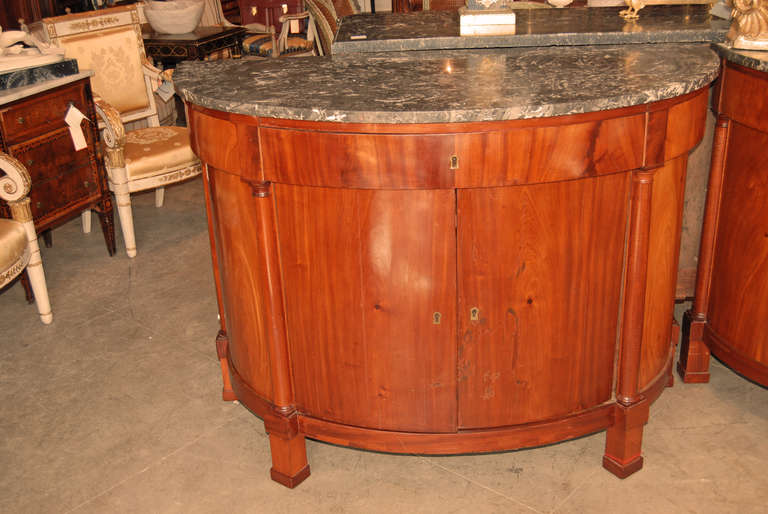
x: 474, y: 314
x: 436, y: 318
x: 454, y: 162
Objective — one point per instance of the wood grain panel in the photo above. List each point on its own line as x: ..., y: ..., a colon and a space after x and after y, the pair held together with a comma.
x: 666, y: 222
x: 489, y: 158
x: 744, y: 98
x: 543, y: 265
x: 236, y: 148
x: 364, y: 273
x: 244, y: 291
x: 738, y: 312
x: 548, y: 154
x: 685, y: 125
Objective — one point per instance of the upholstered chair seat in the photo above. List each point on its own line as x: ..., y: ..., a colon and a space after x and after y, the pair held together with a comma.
x: 18, y: 240
x: 263, y: 45
x: 153, y: 149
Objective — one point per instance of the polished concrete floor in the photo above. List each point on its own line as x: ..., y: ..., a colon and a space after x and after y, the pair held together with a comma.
x: 115, y: 407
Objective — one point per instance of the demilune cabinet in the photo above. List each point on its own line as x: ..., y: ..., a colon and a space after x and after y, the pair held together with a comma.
x: 450, y: 287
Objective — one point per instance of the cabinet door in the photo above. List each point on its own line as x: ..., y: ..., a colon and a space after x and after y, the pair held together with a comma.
x: 370, y: 301
x: 540, y: 270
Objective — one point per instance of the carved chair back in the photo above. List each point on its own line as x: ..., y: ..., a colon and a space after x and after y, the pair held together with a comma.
x: 109, y: 42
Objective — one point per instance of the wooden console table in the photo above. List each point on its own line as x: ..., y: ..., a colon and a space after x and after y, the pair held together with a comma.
x: 196, y: 45
x: 407, y: 264
x: 729, y: 316
x: 65, y: 182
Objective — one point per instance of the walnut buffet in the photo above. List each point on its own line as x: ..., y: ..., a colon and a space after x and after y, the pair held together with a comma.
x: 729, y: 316
x: 448, y: 252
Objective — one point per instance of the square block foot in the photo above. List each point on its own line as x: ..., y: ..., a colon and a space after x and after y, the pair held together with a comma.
x: 622, y: 470
x: 692, y: 377
x: 292, y: 481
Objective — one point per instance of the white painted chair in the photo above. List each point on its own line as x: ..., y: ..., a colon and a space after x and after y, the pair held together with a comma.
x: 108, y: 41
x: 18, y: 240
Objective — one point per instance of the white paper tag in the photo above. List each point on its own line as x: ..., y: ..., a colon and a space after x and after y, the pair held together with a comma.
x: 294, y: 27
x: 73, y: 119
x: 165, y: 91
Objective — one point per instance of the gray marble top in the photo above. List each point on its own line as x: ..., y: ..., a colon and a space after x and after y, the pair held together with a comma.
x: 754, y: 59
x: 434, y: 30
x: 449, y: 86
x: 11, y: 95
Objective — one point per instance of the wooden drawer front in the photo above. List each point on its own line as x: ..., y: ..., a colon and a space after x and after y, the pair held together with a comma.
x: 479, y: 159
x: 47, y: 157
x: 50, y: 196
x: 40, y: 113
x: 394, y: 161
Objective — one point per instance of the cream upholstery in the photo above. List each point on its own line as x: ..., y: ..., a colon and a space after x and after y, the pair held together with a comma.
x: 13, y: 244
x: 156, y: 148
x: 18, y: 240
x: 109, y: 42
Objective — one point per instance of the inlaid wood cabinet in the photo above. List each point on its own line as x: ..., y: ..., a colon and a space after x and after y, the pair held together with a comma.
x: 448, y: 288
x: 65, y: 181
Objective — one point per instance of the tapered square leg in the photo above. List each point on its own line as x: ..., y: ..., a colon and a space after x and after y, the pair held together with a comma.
x: 623, y: 441
x: 227, y: 393
x: 693, y: 366
x: 289, y: 460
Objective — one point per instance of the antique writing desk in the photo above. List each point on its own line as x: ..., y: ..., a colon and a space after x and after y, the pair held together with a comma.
x: 447, y: 252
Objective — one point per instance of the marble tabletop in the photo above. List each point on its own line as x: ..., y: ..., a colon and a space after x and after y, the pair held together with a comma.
x: 17, y: 93
x: 432, y: 30
x: 449, y: 86
x: 754, y: 59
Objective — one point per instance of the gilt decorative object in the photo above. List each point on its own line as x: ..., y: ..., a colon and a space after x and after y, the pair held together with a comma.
x: 749, y: 29
x: 634, y: 7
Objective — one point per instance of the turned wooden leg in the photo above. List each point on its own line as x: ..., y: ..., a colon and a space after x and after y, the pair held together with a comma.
x: 289, y: 460
x: 125, y: 214
x: 106, y: 219
x: 623, y: 441
x: 227, y: 394
x: 48, y: 238
x: 693, y: 366
x: 159, y: 196
x: 86, y: 217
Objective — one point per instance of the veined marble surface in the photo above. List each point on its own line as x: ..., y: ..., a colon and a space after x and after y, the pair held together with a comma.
x: 449, y: 86
x: 34, y: 74
x: 11, y: 95
x: 754, y: 59
x: 432, y: 30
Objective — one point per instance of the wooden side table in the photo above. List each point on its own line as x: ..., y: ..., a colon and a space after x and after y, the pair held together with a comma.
x: 65, y: 181
x: 170, y: 49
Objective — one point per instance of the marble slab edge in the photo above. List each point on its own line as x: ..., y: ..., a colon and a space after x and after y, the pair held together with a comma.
x: 382, y: 88
x: 527, y: 40
x: 11, y: 95
x: 754, y: 59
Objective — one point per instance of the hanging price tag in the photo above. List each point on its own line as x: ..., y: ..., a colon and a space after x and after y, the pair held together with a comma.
x: 73, y: 119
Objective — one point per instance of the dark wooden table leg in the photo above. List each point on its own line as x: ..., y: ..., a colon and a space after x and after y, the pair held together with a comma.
x: 48, y: 238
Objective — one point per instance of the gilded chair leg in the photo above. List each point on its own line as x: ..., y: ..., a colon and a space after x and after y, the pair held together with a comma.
x: 86, y: 217
x: 159, y: 196
x: 37, y: 276
x: 125, y: 214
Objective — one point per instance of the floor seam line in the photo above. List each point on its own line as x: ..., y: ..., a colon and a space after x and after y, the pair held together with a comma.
x: 160, y: 460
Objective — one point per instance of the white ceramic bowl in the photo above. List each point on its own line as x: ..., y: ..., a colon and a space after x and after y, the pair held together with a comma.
x: 174, y: 16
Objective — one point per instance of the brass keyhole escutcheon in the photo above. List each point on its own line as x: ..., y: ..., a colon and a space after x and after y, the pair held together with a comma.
x: 436, y: 318
x: 20, y: 120
x: 474, y: 314
x: 86, y: 184
x: 454, y: 162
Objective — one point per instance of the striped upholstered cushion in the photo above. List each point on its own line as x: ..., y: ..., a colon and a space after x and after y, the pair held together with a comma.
x: 261, y: 45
